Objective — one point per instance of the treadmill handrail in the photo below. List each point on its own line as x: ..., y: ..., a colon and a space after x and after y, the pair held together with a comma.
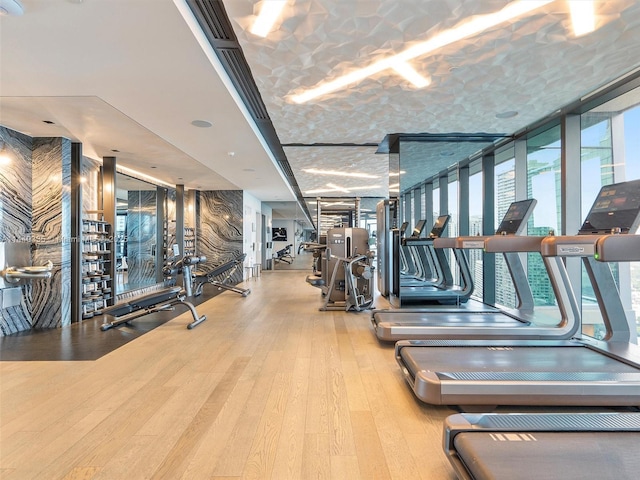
x: 513, y: 243
x: 618, y: 248
x: 569, y: 245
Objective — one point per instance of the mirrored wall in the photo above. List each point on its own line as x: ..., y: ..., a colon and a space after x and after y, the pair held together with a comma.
x: 136, y: 245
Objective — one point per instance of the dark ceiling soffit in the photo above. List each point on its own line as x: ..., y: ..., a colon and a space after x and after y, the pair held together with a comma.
x: 390, y: 141
x: 214, y: 21
x: 329, y: 144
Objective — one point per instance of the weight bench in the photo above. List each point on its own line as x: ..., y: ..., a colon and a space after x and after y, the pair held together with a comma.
x: 219, y: 277
x: 284, y: 255
x: 153, y: 302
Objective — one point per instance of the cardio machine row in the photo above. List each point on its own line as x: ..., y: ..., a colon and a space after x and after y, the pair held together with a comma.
x: 480, y: 358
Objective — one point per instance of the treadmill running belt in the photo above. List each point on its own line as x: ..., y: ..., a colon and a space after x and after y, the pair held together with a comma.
x: 550, y: 455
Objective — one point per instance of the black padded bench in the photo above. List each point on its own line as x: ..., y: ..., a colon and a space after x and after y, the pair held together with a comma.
x: 219, y: 277
x: 153, y: 302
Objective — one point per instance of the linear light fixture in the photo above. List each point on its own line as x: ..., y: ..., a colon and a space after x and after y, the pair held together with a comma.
x: 583, y: 18
x: 336, y: 187
x: 410, y: 74
x: 269, y: 13
x: 396, y: 174
x: 464, y: 29
x: 338, y: 173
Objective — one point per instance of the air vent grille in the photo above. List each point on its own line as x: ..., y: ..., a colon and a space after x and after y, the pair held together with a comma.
x: 213, y: 19
x: 214, y: 16
x: 238, y: 70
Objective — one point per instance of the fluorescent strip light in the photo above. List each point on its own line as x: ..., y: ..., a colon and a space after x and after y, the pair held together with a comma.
x: 269, y: 13
x: 337, y: 173
x: 320, y: 190
x: 396, y: 174
x: 464, y: 29
x: 410, y: 74
x: 366, y: 187
x: 142, y: 176
x: 336, y: 187
x: 583, y: 16
x: 395, y: 185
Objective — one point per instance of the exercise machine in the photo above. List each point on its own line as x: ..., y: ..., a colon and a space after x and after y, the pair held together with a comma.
x: 284, y: 255
x: 477, y: 320
x: 347, y: 272
x: 220, y: 277
x: 550, y: 445
x: 165, y: 299
x: 580, y: 371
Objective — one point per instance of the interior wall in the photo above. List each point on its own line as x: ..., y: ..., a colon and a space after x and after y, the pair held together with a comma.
x: 219, y: 228
x: 35, y: 208
x: 251, y: 226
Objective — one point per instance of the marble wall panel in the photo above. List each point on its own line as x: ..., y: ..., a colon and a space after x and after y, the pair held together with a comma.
x: 15, y: 186
x: 219, y: 227
x: 15, y: 215
x: 141, y: 237
x: 51, y: 231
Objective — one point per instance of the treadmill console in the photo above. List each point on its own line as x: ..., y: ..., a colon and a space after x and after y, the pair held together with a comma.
x: 418, y: 229
x: 439, y: 226
x: 616, y: 209
x: 516, y: 217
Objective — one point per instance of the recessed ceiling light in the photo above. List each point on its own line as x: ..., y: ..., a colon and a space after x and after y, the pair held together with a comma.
x: 248, y: 169
x: 464, y: 29
x: 180, y: 178
x: 446, y: 153
x: 48, y: 122
x: 115, y: 151
x: 201, y: 124
x: 507, y: 114
x: 11, y: 7
x: 154, y: 167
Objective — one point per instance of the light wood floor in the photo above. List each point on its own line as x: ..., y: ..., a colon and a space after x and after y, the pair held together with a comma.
x: 267, y: 387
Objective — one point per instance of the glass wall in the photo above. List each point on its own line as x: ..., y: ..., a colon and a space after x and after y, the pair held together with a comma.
x: 504, y: 195
x: 475, y: 225
x: 543, y: 184
x: 610, y: 153
x: 453, y: 227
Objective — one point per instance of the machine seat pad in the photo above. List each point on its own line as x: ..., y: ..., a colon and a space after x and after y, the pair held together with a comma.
x: 145, y: 301
x: 315, y: 281
x: 217, y: 271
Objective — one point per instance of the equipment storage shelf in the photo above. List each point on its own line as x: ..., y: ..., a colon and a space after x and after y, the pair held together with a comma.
x: 97, y: 255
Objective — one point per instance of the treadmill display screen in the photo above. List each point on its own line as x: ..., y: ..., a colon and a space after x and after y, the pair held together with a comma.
x: 617, y: 206
x: 403, y: 228
x: 516, y: 217
x: 439, y: 226
x: 418, y: 229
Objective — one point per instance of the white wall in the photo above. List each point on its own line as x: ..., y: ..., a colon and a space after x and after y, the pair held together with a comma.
x: 251, y: 245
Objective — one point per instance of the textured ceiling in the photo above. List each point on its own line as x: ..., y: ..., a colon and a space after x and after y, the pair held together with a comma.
x: 131, y: 75
x: 533, y: 66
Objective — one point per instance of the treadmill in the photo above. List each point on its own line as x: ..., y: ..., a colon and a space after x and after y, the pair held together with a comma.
x: 569, y: 446
x: 433, y: 266
x: 420, y: 268
x: 440, y: 289
x: 581, y: 371
x: 480, y: 321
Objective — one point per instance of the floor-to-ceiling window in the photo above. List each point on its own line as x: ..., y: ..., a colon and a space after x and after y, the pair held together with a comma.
x: 504, y: 195
x: 453, y: 228
x: 475, y: 225
x: 543, y: 184
x: 610, y: 153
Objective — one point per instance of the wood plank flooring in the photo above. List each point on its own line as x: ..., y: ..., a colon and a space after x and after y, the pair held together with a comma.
x: 267, y: 388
